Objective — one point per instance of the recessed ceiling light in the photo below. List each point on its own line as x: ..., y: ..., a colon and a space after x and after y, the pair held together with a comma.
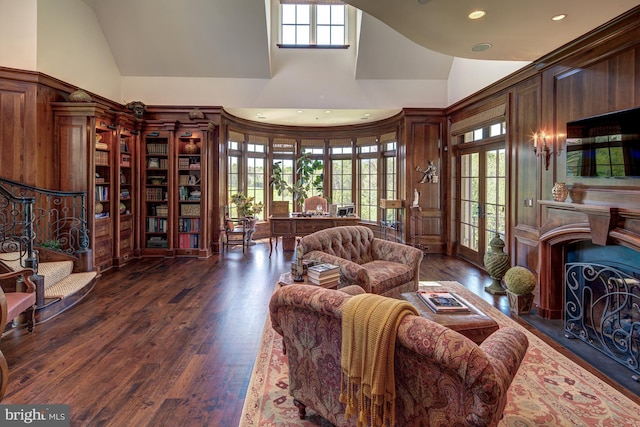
x: 481, y: 47
x: 477, y: 14
x: 559, y: 17
x: 327, y: 111
x: 300, y: 111
x: 367, y: 114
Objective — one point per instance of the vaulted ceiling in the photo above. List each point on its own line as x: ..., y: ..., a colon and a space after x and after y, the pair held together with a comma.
x: 400, y: 39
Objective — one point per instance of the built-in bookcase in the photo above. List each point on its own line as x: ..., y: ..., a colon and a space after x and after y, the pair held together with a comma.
x: 189, y: 192
x: 87, y: 144
x: 156, y: 179
x: 104, y: 194
x: 125, y: 189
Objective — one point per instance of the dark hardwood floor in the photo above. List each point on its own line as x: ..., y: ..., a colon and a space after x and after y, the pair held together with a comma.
x: 166, y: 342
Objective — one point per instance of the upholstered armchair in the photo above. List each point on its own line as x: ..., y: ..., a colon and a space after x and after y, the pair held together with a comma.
x: 14, y: 302
x: 442, y: 378
x: 378, y: 266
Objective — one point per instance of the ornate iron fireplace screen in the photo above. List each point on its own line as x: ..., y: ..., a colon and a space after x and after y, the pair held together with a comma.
x: 602, y: 308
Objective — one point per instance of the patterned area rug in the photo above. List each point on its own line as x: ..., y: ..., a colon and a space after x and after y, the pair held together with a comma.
x: 549, y: 389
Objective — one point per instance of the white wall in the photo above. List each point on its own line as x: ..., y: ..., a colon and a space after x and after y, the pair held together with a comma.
x: 313, y: 78
x: 468, y: 76
x: 72, y: 48
x: 18, y: 34
x: 63, y: 39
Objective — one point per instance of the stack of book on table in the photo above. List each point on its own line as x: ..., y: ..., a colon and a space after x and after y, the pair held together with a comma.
x: 324, y: 274
x: 443, y: 302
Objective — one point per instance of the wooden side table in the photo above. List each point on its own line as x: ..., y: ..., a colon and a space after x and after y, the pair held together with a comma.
x: 286, y: 279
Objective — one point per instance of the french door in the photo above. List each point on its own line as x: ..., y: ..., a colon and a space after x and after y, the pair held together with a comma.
x: 482, y: 201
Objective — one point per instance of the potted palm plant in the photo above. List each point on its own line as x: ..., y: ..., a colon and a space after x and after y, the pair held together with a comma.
x: 247, y: 208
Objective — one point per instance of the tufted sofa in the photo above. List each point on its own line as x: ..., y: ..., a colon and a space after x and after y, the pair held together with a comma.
x: 378, y: 266
x: 442, y: 378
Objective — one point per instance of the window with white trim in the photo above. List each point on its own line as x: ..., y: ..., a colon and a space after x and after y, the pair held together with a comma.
x: 356, y: 171
x: 305, y: 23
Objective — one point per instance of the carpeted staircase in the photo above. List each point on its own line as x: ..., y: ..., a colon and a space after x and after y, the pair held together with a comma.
x: 62, y: 287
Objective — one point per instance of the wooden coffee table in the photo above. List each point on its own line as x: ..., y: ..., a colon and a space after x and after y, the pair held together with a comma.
x: 474, y: 324
x: 285, y: 279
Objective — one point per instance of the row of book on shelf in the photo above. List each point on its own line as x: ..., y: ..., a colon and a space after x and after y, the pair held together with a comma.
x: 189, y: 225
x: 102, y: 158
x: 156, y: 225
x: 153, y: 148
x: 102, y: 193
x: 324, y: 274
x: 189, y: 163
x: 155, y: 194
x: 157, y: 163
x: 189, y: 241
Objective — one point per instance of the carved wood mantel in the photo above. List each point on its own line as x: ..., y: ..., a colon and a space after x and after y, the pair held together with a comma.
x: 566, y: 223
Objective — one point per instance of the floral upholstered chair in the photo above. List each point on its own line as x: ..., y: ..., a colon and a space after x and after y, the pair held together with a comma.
x: 378, y: 266
x: 442, y: 378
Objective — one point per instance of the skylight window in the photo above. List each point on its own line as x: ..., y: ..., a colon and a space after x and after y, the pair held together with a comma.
x: 313, y: 24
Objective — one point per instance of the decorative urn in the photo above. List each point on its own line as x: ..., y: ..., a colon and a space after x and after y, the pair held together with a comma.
x: 559, y: 192
x: 80, y: 96
x: 497, y: 263
x: 191, y: 148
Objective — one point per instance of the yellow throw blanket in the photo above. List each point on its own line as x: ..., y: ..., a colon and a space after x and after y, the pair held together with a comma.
x: 369, y: 328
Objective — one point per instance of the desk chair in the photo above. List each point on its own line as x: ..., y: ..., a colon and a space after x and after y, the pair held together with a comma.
x: 236, y: 232
x: 311, y: 203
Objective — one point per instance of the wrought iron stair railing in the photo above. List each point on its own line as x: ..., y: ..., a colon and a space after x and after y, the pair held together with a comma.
x: 31, y: 216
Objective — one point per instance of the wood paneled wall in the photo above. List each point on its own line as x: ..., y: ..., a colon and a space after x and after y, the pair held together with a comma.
x: 597, y: 74
x: 29, y: 151
x: 27, y: 154
x: 526, y: 170
x: 423, y: 132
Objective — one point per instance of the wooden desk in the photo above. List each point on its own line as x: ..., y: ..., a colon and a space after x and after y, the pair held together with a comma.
x: 289, y: 226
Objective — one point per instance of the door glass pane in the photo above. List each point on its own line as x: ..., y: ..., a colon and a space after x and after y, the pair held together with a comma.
x: 495, y: 206
x: 469, y: 192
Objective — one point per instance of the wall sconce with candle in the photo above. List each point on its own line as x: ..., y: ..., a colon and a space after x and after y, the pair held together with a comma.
x: 544, y: 149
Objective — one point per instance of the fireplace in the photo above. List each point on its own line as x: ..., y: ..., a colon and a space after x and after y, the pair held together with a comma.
x: 589, y: 276
x: 566, y: 225
x: 601, y: 308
